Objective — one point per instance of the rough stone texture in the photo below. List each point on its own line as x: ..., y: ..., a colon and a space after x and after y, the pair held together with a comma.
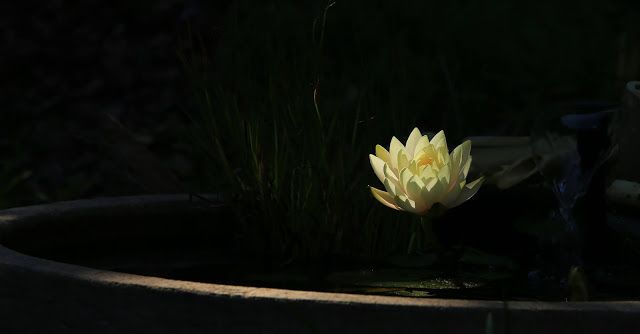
x: 58, y: 304
x: 42, y: 296
x: 577, y: 317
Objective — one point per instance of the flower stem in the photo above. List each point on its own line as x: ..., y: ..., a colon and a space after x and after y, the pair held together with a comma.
x: 430, y: 238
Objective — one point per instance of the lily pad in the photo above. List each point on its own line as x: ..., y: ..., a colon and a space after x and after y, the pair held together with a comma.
x: 402, y: 278
x: 412, y: 293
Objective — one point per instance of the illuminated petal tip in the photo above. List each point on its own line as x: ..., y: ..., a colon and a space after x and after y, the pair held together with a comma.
x: 395, y: 143
x: 466, y: 149
x: 439, y: 142
x: 466, y: 146
x: 382, y: 153
x: 384, y: 198
x: 477, y: 183
x: 438, y: 136
x: 394, y: 147
x: 468, y: 191
x: 378, y: 166
x: 459, y: 156
x: 466, y: 166
x: 412, y: 141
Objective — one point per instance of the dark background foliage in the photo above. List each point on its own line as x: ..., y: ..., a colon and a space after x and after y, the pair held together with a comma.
x: 94, y: 94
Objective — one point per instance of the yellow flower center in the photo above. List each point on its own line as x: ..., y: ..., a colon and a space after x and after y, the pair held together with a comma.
x: 424, y: 161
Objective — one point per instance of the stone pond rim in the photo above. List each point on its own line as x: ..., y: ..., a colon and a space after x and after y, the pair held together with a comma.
x: 38, y: 295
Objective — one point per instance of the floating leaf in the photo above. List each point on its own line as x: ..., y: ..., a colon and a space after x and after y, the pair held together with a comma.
x: 403, y: 278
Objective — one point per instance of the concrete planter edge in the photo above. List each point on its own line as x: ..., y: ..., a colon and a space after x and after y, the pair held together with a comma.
x: 40, y: 295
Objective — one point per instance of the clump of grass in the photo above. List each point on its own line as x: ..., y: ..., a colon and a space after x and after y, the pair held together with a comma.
x: 291, y: 166
x: 295, y: 96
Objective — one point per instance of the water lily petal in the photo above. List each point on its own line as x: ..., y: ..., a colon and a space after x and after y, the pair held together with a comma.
x: 465, y: 168
x: 428, y: 173
x: 378, y: 166
x: 414, y: 188
x: 426, y: 156
x: 413, y: 167
x: 459, y: 156
x: 442, y: 157
x: 452, y: 193
x: 422, y: 143
x: 433, y: 194
x: 467, y: 192
x: 382, y: 153
x: 397, y: 187
x: 384, y: 198
x: 403, y: 203
x: 394, y: 147
x: 403, y: 159
x: 405, y: 176
x: 390, y: 174
x: 440, y: 141
x: 444, y: 175
x: 430, y: 182
x: 391, y: 187
x: 408, y: 204
x: 412, y: 141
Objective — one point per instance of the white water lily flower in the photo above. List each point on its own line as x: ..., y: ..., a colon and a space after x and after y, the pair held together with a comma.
x: 421, y: 173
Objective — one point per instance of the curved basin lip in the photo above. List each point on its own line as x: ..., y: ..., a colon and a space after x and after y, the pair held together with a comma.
x: 12, y: 214
x: 13, y: 260
x: 10, y: 259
